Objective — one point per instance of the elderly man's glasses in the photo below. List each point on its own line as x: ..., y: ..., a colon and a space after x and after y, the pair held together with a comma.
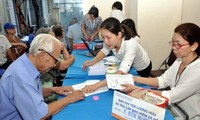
x: 57, y: 60
x: 176, y: 44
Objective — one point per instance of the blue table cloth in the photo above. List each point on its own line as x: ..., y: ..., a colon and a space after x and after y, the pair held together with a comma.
x: 89, y: 109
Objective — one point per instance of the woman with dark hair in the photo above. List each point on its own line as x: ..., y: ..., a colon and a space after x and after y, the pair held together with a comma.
x: 128, y: 53
x: 183, y: 76
x: 90, y: 25
x: 131, y: 24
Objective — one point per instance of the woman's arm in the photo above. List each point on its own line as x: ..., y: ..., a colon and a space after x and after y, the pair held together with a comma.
x: 91, y: 88
x: 84, y: 31
x: 129, y: 48
x: 147, y: 81
x: 95, y: 33
x: 96, y: 59
x: 67, y: 61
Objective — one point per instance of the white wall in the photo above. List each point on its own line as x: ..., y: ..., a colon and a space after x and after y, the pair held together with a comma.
x: 131, y: 10
x: 156, y: 22
x: 191, y: 9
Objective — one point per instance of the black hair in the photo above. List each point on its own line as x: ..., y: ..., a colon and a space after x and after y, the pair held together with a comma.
x: 131, y: 24
x: 191, y: 33
x: 117, y: 5
x: 94, y: 11
x: 58, y: 31
x: 113, y: 25
x: 73, y: 21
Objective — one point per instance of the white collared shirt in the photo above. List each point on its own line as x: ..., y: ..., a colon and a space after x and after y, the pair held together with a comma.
x: 130, y: 54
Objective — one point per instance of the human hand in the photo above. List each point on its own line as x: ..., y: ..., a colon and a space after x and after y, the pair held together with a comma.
x: 88, y: 38
x: 120, y: 72
x: 92, y: 38
x: 72, y: 57
x: 64, y: 90
x: 75, y: 96
x: 89, y: 88
x: 128, y: 88
x: 88, y: 63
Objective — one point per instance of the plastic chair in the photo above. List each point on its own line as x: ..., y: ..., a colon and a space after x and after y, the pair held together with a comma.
x: 166, y: 64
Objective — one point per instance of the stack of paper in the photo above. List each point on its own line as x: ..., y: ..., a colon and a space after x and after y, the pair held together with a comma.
x: 97, y: 69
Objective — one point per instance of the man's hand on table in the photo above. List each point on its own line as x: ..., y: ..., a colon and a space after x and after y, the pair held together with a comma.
x: 64, y: 90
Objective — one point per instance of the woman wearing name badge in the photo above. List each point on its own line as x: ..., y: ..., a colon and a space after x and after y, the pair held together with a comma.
x: 121, y: 41
x: 183, y: 77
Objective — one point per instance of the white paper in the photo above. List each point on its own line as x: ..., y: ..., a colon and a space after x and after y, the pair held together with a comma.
x: 97, y: 69
x: 90, y: 82
x: 25, y: 39
x: 114, y: 81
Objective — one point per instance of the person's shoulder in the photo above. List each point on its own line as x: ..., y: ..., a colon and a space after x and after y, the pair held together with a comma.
x: 136, y: 38
x: 113, y: 12
x: 2, y: 36
x: 74, y: 27
x: 99, y: 17
x: 132, y: 40
x: 85, y: 17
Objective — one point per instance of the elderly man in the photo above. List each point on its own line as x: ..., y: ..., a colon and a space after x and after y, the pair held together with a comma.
x: 21, y: 94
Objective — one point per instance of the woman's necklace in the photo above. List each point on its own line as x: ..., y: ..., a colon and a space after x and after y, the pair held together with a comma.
x: 181, y: 70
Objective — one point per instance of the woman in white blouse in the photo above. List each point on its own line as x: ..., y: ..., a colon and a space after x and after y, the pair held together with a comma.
x: 126, y: 49
x: 183, y: 76
x: 122, y: 42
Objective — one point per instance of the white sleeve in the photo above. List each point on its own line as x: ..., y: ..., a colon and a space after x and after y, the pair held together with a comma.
x: 130, y: 49
x: 105, y: 49
x: 8, y: 44
x: 188, y: 84
x: 69, y: 33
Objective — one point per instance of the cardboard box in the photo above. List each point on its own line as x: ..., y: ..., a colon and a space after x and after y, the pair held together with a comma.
x: 150, y: 97
x: 80, y: 46
x: 126, y: 107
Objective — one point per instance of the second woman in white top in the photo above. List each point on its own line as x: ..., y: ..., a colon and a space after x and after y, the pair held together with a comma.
x: 126, y: 49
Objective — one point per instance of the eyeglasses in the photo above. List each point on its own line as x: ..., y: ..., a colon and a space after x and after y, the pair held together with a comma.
x: 176, y: 44
x: 57, y: 60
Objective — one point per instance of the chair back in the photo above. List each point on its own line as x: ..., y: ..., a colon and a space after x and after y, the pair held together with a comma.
x: 171, y: 58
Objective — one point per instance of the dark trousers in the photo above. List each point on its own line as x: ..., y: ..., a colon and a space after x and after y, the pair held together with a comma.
x: 146, y: 72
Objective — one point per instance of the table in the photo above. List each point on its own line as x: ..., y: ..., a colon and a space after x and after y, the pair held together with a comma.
x: 89, y: 109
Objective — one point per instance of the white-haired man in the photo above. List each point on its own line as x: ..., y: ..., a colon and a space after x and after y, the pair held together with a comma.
x: 21, y: 94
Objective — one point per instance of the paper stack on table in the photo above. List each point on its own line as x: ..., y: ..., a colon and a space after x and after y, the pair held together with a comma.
x: 97, y: 69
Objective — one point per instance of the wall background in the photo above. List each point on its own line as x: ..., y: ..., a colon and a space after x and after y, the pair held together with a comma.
x: 155, y: 20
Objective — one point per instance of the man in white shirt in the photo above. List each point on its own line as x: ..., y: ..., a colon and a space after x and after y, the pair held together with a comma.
x: 117, y: 11
x: 74, y: 32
